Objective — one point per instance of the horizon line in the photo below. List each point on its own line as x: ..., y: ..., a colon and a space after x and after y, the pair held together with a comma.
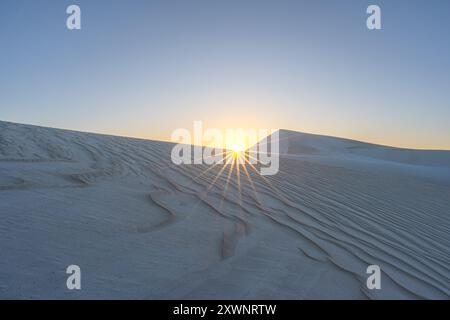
x: 277, y: 130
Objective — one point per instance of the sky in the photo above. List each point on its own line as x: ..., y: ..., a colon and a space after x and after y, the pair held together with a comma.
x: 145, y: 68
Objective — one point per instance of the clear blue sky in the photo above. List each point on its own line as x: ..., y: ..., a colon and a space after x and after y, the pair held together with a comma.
x: 145, y: 68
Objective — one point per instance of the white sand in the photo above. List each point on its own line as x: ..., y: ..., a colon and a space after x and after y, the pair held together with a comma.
x: 140, y: 227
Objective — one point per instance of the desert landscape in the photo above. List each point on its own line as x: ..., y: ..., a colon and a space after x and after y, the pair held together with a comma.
x: 140, y: 227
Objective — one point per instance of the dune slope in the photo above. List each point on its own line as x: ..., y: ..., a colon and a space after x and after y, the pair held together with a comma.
x: 140, y: 227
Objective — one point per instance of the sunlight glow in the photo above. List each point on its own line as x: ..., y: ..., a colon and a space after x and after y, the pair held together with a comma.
x: 237, y: 148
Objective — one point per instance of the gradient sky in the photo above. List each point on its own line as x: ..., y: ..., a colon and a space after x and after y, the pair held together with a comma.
x: 145, y: 68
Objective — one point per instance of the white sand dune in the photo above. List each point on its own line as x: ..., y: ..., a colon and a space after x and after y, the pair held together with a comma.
x: 140, y: 227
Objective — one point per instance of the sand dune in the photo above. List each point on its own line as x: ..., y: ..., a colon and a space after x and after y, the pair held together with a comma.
x: 141, y: 227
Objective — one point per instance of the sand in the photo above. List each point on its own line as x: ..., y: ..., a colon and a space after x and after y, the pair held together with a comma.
x: 140, y: 227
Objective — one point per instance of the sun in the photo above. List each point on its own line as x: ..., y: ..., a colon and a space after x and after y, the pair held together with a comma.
x: 237, y: 153
x: 237, y: 148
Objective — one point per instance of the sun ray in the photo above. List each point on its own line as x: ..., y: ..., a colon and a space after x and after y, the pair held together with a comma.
x: 205, y: 194
x: 211, y: 167
x: 271, y: 186
x: 252, y: 185
x: 238, y: 177
x: 225, y: 191
x: 215, y: 179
